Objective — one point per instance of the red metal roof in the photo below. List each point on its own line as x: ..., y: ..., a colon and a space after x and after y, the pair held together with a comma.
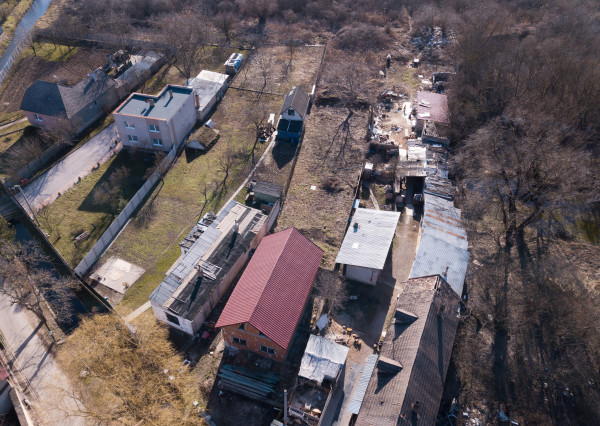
x: 3, y: 373
x: 273, y: 289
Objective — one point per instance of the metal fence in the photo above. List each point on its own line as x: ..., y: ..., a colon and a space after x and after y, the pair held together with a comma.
x: 118, y: 224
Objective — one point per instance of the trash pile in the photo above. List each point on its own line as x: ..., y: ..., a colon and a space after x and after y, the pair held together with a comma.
x: 431, y: 37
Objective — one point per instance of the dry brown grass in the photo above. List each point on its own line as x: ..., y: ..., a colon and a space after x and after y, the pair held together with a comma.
x: 326, y: 153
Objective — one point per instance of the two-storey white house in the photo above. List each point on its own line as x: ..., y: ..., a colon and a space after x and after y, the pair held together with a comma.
x: 156, y: 122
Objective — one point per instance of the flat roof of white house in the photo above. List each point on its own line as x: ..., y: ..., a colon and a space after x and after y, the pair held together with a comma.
x: 368, y: 239
x: 206, y: 85
x: 166, y: 104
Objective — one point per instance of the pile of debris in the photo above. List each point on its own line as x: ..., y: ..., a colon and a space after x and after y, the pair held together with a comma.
x: 432, y: 37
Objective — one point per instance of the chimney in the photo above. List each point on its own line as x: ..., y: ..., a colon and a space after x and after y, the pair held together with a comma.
x: 415, y: 407
x: 170, y: 94
x: 150, y: 101
x: 196, y: 100
x: 441, y: 309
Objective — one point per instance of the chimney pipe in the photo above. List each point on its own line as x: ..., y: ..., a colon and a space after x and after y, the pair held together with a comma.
x: 170, y: 94
x: 196, y: 100
x: 150, y: 101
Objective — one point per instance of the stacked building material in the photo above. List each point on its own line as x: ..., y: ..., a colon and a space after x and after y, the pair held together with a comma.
x: 253, y: 384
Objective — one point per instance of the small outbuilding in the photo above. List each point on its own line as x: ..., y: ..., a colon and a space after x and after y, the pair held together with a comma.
x: 209, y: 88
x: 323, y: 360
x: 367, y: 244
x: 292, y: 115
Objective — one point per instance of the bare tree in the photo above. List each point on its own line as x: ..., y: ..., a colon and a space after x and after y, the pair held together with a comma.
x: 260, y: 9
x: 524, y: 169
x: 24, y: 281
x: 225, y: 22
x: 110, y: 192
x: 187, y: 35
x: 264, y: 64
x: 331, y: 287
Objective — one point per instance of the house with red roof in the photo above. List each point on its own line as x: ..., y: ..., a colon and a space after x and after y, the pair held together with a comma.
x: 267, y: 303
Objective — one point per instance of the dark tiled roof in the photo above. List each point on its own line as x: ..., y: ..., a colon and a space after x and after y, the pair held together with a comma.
x: 65, y: 101
x: 267, y: 188
x: 423, y: 348
x: 297, y: 99
x: 273, y: 289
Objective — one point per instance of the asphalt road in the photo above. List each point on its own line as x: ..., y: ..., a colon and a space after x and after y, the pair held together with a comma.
x: 35, y: 367
x: 68, y: 171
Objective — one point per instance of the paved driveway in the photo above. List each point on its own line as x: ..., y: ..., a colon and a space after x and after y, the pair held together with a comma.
x: 34, y: 366
x: 68, y: 171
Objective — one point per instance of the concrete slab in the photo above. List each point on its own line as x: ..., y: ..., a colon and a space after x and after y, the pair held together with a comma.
x: 117, y: 274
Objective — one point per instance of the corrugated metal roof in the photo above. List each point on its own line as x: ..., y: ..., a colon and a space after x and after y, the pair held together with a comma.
x: 187, y: 262
x: 361, y: 386
x: 273, y: 289
x: 368, y: 239
x: 442, y: 220
x: 322, y: 358
x: 438, y: 257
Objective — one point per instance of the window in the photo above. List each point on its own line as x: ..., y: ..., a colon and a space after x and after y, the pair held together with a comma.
x: 290, y: 111
x: 153, y: 128
x: 157, y: 142
x: 132, y: 138
x: 38, y: 118
x: 242, y: 327
x: 129, y: 125
x: 172, y: 318
x: 267, y: 350
x: 240, y: 341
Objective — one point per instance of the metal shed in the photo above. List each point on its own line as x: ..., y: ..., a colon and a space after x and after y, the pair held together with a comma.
x: 367, y: 244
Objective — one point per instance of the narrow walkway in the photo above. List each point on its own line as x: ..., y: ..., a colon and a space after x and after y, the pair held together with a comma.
x: 12, y: 123
x: 71, y: 169
x: 139, y: 311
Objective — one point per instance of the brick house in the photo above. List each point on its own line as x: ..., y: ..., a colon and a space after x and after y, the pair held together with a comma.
x: 52, y: 105
x: 266, y: 305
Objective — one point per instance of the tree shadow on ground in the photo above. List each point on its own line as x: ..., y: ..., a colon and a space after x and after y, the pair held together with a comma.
x: 283, y: 153
x: 136, y: 164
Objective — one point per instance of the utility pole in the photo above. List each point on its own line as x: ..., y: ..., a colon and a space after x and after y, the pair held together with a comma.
x: 28, y: 205
x: 285, y: 417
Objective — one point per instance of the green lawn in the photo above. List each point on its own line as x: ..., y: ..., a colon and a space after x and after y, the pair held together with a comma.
x: 78, y: 210
x: 151, y: 239
x: 50, y: 51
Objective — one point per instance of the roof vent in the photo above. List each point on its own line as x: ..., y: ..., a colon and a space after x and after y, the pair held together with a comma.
x: 355, y: 226
x: 150, y: 101
x: 404, y: 317
x: 170, y: 94
x: 388, y: 365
